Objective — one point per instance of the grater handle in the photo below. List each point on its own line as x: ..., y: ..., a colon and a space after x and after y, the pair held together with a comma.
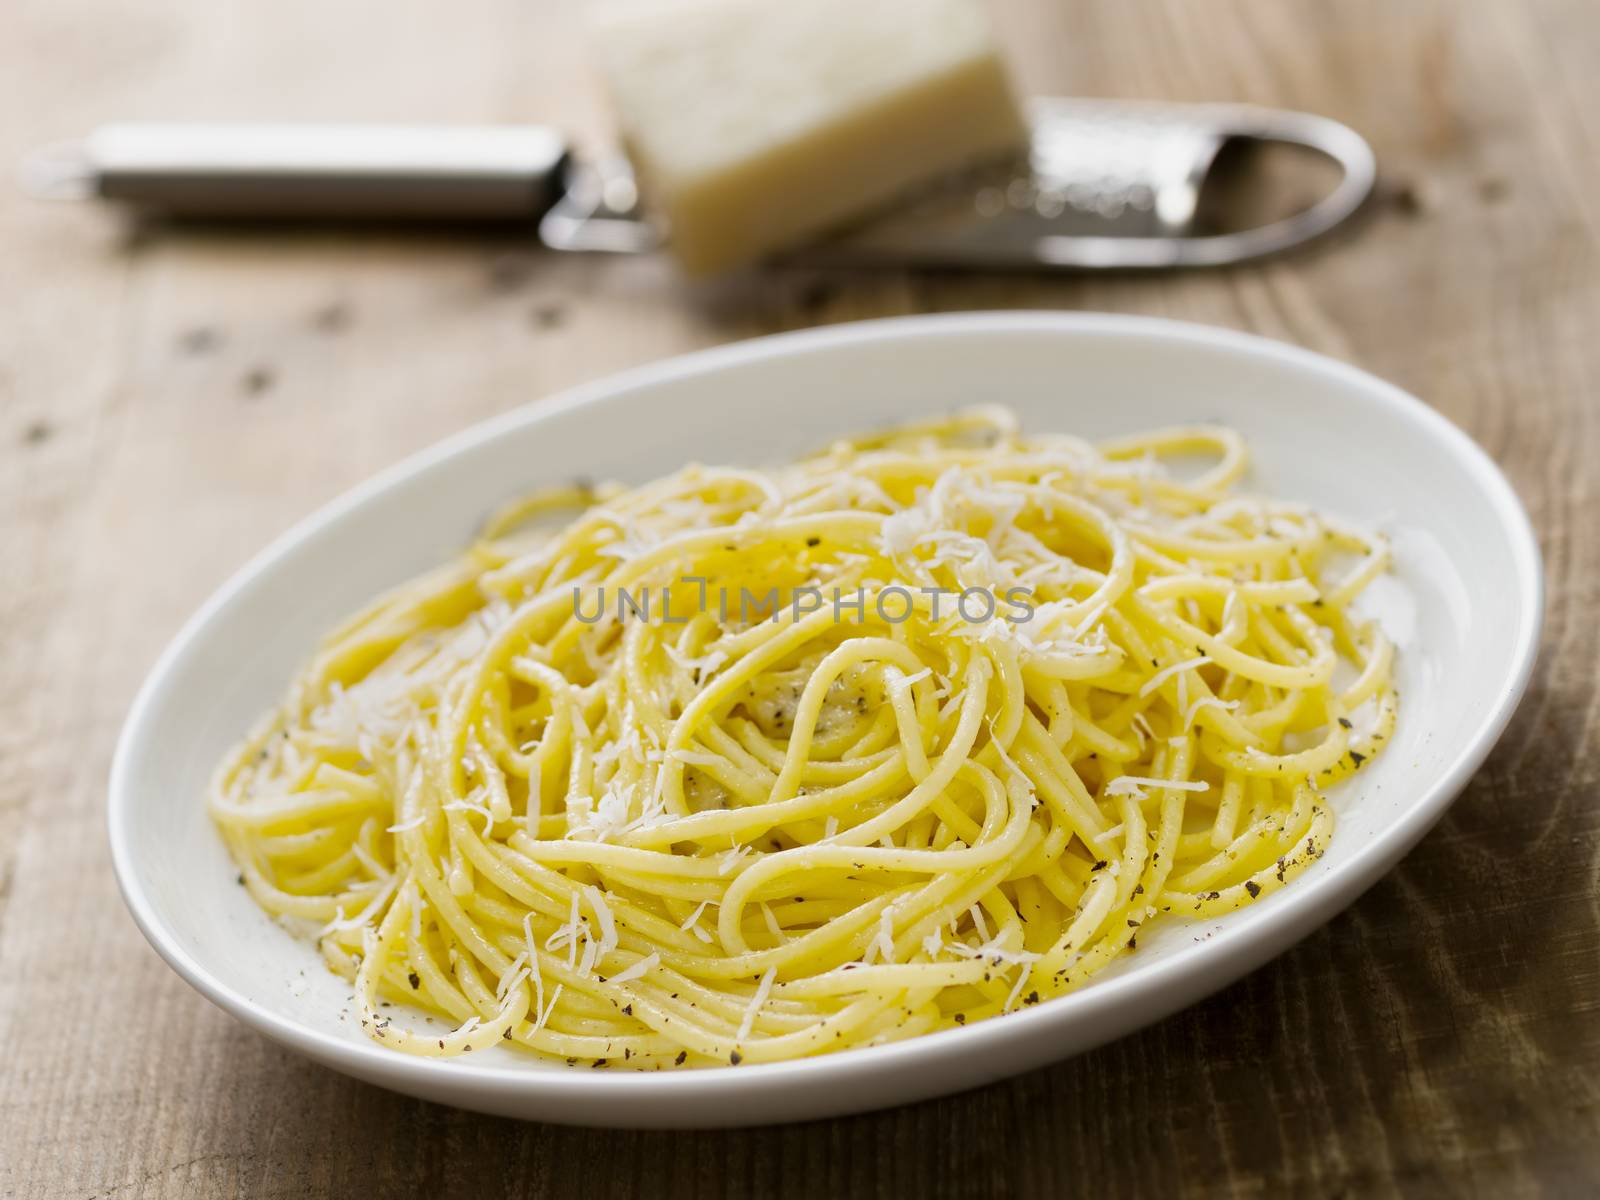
x: 393, y: 172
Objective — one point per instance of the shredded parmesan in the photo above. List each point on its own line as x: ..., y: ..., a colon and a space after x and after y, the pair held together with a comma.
x: 1161, y: 676
x: 1134, y: 785
x: 730, y: 859
x: 638, y: 970
x: 763, y: 990
x: 602, y: 914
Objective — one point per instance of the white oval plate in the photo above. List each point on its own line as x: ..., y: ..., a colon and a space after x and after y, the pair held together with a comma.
x: 1466, y: 606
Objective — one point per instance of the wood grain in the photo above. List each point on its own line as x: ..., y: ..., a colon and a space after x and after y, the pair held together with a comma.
x: 168, y: 402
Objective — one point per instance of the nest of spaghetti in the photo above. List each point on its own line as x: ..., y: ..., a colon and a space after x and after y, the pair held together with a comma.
x: 748, y: 765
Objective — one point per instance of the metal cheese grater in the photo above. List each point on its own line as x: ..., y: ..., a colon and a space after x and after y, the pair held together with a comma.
x: 1105, y: 185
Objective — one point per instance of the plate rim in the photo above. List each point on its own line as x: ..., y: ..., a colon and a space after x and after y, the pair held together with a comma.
x: 1250, y: 939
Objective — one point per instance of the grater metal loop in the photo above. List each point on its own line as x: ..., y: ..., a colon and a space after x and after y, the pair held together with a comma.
x: 1110, y: 184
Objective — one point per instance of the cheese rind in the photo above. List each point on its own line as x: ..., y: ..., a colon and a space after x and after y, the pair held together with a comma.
x: 756, y: 124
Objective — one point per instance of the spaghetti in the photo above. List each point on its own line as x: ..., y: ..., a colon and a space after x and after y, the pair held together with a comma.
x: 742, y: 766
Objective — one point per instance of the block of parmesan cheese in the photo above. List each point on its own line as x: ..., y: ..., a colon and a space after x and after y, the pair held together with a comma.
x: 757, y: 124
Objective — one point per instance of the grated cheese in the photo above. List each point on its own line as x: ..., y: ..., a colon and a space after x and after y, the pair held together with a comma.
x: 602, y: 914
x: 1134, y: 785
x: 638, y: 969
x: 730, y: 859
x: 763, y: 990
x: 1161, y: 676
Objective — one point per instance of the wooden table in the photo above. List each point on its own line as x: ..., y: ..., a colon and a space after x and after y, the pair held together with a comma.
x: 169, y: 401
